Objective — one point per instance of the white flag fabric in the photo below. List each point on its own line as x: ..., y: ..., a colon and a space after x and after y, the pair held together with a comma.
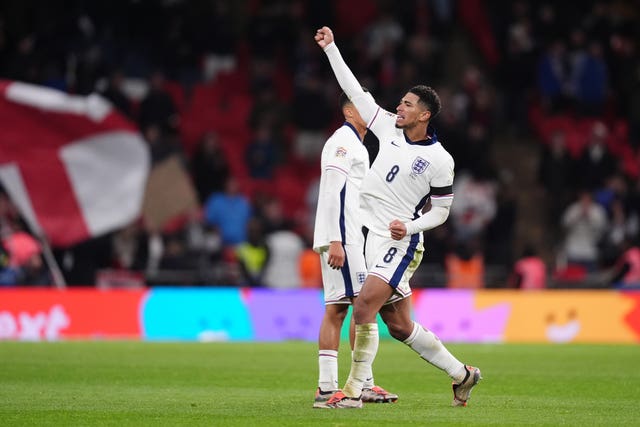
x: 73, y: 165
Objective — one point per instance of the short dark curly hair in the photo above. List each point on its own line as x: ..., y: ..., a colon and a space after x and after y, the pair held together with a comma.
x: 428, y: 97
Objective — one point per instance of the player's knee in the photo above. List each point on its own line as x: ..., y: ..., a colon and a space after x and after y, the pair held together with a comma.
x: 364, y: 314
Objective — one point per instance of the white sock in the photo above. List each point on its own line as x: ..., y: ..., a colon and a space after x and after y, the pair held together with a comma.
x: 328, y: 368
x: 364, y: 352
x: 368, y: 381
x: 430, y: 348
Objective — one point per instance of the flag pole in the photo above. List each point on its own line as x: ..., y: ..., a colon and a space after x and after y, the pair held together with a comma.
x: 54, y: 268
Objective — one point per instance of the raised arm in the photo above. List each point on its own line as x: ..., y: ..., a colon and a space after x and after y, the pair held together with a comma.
x: 363, y: 101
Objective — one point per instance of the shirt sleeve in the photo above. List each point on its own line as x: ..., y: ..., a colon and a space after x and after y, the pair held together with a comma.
x: 442, y: 185
x: 335, y: 181
x: 339, y: 158
x: 363, y: 101
x: 436, y: 216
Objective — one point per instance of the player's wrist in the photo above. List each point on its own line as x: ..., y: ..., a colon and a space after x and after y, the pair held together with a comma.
x: 329, y: 46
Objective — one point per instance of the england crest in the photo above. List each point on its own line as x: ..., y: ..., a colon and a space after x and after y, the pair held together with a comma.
x: 419, y: 165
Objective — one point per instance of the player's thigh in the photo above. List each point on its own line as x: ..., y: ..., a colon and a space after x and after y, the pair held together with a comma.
x: 394, y: 261
x: 374, y: 294
x: 341, y: 285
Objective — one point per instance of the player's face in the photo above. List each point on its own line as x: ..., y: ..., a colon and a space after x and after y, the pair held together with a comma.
x: 410, y: 112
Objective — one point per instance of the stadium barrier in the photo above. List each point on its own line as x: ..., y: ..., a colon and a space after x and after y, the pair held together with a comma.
x: 243, y: 314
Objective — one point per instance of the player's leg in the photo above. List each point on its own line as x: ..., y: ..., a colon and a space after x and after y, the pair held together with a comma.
x: 397, y: 317
x: 371, y: 393
x: 328, y: 343
x: 384, y: 257
x: 373, y: 295
x: 339, y: 290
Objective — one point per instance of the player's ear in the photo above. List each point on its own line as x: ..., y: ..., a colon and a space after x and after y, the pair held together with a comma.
x: 425, y: 115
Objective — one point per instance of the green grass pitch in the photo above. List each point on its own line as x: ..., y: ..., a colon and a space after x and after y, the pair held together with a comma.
x: 89, y: 383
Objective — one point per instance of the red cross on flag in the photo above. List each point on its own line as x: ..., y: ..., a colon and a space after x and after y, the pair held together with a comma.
x: 73, y: 165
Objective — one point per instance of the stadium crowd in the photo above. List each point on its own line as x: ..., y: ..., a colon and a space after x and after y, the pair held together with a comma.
x: 218, y: 86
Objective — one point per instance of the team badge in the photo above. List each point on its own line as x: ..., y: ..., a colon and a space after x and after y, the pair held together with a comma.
x: 341, y: 152
x: 361, y: 276
x: 419, y: 165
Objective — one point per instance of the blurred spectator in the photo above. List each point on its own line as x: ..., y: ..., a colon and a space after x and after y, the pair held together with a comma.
x: 131, y: 248
x: 591, y: 79
x: 383, y: 34
x: 614, y: 188
x: 269, y: 210
x: 584, y: 222
x: 253, y: 255
x: 8, y: 274
x: 268, y: 110
x: 553, y: 73
x: 596, y: 163
x: 451, y: 123
x: 283, y: 269
x: 475, y: 206
x: 203, y: 241
x: 518, y: 67
x: 310, y: 269
x: 175, y: 253
x: 529, y: 271
x: 623, y: 63
x: 439, y: 242
x: 116, y: 95
x: 271, y: 27
x: 80, y: 263
x: 475, y: 158
x: 157, y: 108
x: 501, y: 230
x: 161, y: 144
x: 25, y: 264
x: 229, y: 211
x: 215, y: 34
x: 262, y: 153
x: 465, y: 266
x: 626, y: 272
x: 311, y: 114
x: 616, y: 233
x: 209, y: 166
x: 555, y: 174
x: 548, y: 24
x: 9, y: 216
x: 22, y: 63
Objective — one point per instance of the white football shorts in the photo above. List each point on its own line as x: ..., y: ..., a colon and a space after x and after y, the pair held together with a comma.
x: 343, y: 284
x: 394, y: 261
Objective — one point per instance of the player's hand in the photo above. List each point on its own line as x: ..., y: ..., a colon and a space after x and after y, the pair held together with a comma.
x: 324, y: 37
x: 336, y: 255
x: 398, y: 229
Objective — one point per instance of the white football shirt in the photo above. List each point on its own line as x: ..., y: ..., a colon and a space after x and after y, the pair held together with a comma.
x: 405, y: 174
x: 338, y: 215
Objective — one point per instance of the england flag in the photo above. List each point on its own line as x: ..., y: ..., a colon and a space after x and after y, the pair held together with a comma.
x: 73, y: 165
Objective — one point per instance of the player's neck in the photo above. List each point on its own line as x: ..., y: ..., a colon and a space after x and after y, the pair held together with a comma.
x: 360, y: 129
x: 416, y: 133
